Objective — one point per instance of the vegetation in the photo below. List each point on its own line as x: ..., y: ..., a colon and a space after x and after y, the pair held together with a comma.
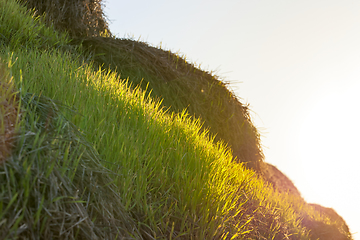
x: 181, y: 86
x: 90, y: 155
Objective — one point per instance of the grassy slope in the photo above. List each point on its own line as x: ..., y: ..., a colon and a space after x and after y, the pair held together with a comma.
x: 180, y: 85
x: 136, y: 171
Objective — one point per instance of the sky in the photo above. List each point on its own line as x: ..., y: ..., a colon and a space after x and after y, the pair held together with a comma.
x: 297, y: 63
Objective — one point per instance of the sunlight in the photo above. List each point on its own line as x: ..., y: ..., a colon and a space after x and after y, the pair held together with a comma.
x: 328, y: 141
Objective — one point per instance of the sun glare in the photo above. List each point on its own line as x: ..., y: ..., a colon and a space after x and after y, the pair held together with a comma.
x: 328, y: 143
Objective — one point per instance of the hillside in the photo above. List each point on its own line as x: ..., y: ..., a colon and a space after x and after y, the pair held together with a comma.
x: 145, y: 149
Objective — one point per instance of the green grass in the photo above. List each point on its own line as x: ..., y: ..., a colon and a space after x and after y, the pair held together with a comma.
x: 20, y: 28
x: 180, y: 85
x: 98, y: 158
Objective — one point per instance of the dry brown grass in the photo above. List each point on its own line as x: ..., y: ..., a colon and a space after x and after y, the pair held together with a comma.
x: 323, y: 231
x: 76, y: 17
x: 278, y: 180
x: 9, y: 114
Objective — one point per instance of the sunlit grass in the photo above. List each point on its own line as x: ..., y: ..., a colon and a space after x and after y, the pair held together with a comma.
x: 180, y: 85
x: 99, y: 158
x: 169, y: 174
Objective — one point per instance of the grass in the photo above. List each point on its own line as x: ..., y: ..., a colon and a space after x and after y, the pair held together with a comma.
x: 9, y: 112
x: 86, y: 18
x: 98, y: 158
x: 180, y: 85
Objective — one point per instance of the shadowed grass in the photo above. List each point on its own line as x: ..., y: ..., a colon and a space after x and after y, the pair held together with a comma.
x: 9, y: 112
x: 86, y: 18
x: 20, y: 28
x: 53, y: 184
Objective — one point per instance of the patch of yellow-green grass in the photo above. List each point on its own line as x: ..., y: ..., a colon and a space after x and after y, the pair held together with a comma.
x: 180, y: 85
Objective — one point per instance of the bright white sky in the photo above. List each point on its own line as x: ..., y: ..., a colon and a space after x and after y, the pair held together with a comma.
x: 298, y: 65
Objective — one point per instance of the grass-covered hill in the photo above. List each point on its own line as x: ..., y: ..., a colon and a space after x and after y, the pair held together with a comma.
x: 87, y: 153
